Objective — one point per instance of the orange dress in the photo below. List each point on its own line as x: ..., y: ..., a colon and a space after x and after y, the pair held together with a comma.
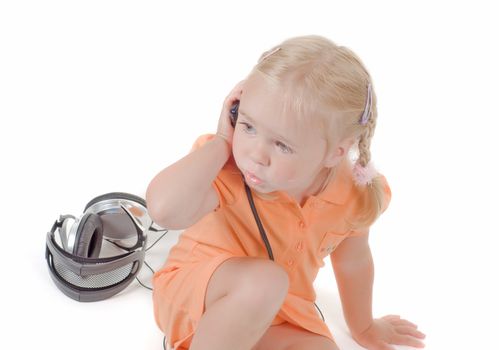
x: 301, y: 237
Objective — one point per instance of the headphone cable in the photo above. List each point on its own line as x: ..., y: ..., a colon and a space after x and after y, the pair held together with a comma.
x: 258, y: 222
x: 145, y: 262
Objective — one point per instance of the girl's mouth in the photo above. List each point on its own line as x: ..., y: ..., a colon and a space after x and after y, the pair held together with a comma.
x: 251, y: 178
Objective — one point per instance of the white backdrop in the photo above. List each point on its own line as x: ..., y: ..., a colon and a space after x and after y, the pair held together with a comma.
x: 98, y: 96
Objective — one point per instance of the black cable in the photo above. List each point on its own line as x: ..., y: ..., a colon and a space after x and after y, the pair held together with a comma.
x: 142, y: 284
x: 156, y: 241
x: 152, y: 245
x: 118, y: 245
x: 320, y: 312
x: 258, y: 222
x: 152, y: 270
x: 145, y: 262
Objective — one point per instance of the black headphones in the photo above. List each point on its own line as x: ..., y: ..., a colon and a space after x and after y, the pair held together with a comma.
x: 103, y: 250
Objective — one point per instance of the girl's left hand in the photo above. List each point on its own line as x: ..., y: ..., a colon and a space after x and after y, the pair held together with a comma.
x: 387, y: 330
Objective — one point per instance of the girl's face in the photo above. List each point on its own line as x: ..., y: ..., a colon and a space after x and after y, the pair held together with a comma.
x: 270, y: 150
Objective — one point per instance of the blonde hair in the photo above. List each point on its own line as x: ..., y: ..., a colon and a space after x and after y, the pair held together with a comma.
x: 326, y: 86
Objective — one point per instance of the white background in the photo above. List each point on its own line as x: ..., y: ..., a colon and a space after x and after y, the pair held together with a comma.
x: 98, y: 96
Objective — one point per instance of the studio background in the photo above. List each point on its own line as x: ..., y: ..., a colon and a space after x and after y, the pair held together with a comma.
x: 99, y: 96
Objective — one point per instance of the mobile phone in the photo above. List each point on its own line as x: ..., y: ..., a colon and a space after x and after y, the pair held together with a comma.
x: 233, y: 114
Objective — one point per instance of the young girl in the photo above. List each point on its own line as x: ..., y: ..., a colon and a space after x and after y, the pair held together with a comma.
x: 301, y: 109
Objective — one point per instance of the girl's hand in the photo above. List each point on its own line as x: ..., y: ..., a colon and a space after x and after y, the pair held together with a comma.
x: 225, y: 129
x: 390, y: 330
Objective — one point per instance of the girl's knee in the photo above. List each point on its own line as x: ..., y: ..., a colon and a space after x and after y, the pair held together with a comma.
x: 250, y: 280
x: 260, y: 283
x: 265, y: 278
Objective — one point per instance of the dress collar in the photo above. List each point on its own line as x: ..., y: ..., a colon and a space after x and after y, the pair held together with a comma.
x: 336, y: 192
x: 340, y: 187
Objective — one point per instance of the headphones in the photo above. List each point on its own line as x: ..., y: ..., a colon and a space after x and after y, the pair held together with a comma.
x: 97, y: 255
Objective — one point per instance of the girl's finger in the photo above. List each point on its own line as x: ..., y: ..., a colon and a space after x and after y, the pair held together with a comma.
x: 407, y: 340
x: 410, y: 331
x: 391, y: 317
x: 238, y: 88
x: 402, y: 322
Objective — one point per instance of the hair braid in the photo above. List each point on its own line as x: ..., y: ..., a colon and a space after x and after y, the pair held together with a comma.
x: 365, y: 138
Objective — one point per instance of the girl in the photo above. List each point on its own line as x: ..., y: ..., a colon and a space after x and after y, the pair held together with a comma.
x: 283, y: 171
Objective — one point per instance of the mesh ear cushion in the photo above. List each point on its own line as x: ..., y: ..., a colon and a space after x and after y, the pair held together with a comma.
x: 88, y: 239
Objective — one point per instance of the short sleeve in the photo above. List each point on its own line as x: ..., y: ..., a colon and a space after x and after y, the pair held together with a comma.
x: 224, y: 182
x: 200, y: 141
x: 388, y: 194
x: 384, y: 205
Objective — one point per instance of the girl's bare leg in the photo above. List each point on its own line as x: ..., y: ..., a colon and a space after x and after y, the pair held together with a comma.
x: 289, y: 337
x: 242, y: 299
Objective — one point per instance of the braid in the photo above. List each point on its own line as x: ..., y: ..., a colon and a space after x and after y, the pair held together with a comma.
x: 365, y: 140
x: 364, y: 171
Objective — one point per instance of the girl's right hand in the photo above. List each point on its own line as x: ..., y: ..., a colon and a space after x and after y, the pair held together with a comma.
x: 225, y: 129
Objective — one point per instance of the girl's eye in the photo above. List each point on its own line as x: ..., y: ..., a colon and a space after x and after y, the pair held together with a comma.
x: 247, y: 127
x: 284, y: 148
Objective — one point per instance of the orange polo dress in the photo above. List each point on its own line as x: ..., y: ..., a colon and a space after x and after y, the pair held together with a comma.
x: 300, y: 237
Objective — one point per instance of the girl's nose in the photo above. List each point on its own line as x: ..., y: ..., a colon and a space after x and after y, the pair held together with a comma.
x: 259, y: 155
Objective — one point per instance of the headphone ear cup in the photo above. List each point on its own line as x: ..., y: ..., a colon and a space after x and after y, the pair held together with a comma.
x: 89, y: 235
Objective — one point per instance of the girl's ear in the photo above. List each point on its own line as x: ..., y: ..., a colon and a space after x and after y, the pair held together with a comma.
x: 338, y: 153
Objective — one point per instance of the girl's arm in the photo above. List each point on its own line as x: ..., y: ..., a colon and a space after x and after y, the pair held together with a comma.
x: 182, y: 193
x: 354, y: 270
